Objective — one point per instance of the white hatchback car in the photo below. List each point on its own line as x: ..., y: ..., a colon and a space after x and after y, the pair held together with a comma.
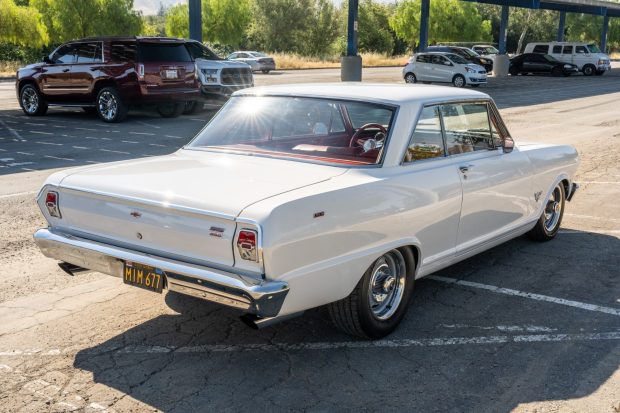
x: 445, y: 68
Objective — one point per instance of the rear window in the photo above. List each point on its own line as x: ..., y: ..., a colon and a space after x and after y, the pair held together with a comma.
x: 123, y: 51
x: 541, y: 48
x: 164, y: 52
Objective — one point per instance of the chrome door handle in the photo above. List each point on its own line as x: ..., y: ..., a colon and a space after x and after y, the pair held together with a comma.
x: 465, y: 168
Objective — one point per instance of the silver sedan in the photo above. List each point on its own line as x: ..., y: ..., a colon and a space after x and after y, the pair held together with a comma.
x: 257, y: 60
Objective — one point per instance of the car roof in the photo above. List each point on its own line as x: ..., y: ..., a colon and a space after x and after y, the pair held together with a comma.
x: 129, y: 38
x: 391, y: 94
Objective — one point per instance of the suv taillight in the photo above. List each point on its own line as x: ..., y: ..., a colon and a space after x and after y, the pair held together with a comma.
x: 140, y: 71
x: 247, y: 245
x: 51, y: 202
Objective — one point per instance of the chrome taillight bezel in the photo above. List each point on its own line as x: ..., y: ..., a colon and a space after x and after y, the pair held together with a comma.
x: 53, y: 205
x: 247, y: 244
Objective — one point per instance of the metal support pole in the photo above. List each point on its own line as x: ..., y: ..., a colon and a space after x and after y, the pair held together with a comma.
x: 352, y: 29
x: 424, y: 13
x: 604, y: 33
x: 351, y: 64
x: 561, y: 25
x: 503, y: 30
x: 195, y: 20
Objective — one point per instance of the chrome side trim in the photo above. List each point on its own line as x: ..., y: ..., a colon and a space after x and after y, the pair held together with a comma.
x: 260, y: 297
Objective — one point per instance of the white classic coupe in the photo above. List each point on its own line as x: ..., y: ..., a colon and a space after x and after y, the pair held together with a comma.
x: 298, y: 196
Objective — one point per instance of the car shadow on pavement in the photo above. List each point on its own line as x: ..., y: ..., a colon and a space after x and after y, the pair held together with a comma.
x: 458, y: 348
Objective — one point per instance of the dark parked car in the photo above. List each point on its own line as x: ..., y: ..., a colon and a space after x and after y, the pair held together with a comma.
x: 540, y: 63
x: 109, y: 74
x: 465, y: 53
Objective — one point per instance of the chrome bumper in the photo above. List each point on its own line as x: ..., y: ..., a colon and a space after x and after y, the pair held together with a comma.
x: 259, y: 297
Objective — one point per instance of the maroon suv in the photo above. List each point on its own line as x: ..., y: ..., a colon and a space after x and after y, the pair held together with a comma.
x: 109, y: 74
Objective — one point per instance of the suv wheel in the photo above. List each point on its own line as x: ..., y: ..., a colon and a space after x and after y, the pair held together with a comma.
x: 588, y: 70
x: 109, y: 105
x: 171, y: 110
x: 458, y: 81
x: 31, y: 101
x: 191, y: 107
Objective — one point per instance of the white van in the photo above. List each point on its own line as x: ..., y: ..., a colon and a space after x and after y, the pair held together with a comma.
x: 586, y: 56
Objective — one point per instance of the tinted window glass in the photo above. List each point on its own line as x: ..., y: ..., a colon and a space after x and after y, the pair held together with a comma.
x: 466, y: 127
x: 458, y: 59
x: 423, y: 58
x: 64, y: 55
x: 594, y: 48
x: 438, y: 60
x: 427, y: 140
x: 567, y: 50
x: 199, y: 51
x: 541, y: 48
x: 123, y: 51
x: 88, y: 53
x: 557, y: 49
x: 308, y: 118
x: 164, y: 52
x: 581, y: 49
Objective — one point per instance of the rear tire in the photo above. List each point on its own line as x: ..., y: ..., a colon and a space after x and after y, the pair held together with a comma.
x: 171, y: 110
x: 459, y: 81
x: 191, y: 107
x: 589, y: 70
x: 31, y: 101
x: 549, y: 222
x: 513, y: 71
x: 410, y: 78
x: 109, y: 105
x: 379, y: 301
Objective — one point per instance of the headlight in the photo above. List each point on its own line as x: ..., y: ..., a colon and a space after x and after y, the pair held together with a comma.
x: 470, y: 70
x: 602, y: 62
x: 210, y: 75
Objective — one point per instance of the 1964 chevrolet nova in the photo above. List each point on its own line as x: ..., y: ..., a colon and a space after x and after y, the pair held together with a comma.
x: 294, y: 197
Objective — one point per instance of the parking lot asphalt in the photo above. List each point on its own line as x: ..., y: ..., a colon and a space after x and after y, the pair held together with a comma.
x: 524, y: 327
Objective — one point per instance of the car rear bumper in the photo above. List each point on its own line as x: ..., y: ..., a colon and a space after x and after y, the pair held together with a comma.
x: 260, y: 297
x: 265, y: 66
x: 149, y: 94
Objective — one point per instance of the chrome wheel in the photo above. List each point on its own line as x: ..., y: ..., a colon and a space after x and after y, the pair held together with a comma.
x: 30, y: 99
x: 553, y: 210
x: 387, y: 285
x: 107, y: 105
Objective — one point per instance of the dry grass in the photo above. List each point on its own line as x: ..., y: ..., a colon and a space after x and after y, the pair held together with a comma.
x: 614, y: 55
x: 8, y: 68
x: 286, y: 61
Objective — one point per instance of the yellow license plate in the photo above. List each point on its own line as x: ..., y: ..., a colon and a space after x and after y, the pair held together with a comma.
x: 143, y: 276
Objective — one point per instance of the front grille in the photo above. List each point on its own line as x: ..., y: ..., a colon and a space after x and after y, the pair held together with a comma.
x: 236, y: 76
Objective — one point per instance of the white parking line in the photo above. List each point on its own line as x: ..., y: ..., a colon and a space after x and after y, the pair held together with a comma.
x: 18, y: 194
x: 40, y: 133
x: 58, y: 157
x: 88, y: 129
x: 130, y: 142
x: 80, y: 147
x: 147, y: 124
x: 49, y: 143
x: 532, y: 296
x: 591, y: 217
x: 599, y: 182
x: 174, y: 136
x: 158, y: 145
x: 142, y: 133
x: 12, y: 131
x: 25, y: 153
x: 110, y: 150
x: 231, y: 348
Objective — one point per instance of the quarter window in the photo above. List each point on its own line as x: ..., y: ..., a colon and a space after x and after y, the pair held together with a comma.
x: 123, y: 51
x: 427, y: 140
x: 557, y: 49
x: 466, y: 127
x: 541, y: 48
x: 567, y: 50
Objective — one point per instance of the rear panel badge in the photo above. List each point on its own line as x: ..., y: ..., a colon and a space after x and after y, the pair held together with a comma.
x: 216, y: 232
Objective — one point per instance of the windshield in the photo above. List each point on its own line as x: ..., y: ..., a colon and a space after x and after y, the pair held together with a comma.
x: 457, y: 59
x: 322, y: 130
x: 200, y: 51
x: 489, y: 50
x: 550, y: 58
x: 594, y: 48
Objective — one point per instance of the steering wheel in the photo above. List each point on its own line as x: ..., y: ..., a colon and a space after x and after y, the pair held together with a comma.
x: 354, y: 142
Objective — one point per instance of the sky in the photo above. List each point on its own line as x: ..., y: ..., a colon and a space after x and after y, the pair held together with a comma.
x: 149, y: 7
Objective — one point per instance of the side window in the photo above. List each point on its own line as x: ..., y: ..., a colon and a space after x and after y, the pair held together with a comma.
x: 242, y: 56
x: 581, y: 49
x: 439, y: 60
x: 541, y: 48
x: 422, y: 58
x: 123, y: 51
x: 232, y: 56
x: 557, y: 49
x: 427, y: 140
x: 88, y: 53
x: 567, y: 50
x: 64, y: 55
x: 467, y: 127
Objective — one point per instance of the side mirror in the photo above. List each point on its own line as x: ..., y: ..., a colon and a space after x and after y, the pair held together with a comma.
x: 46, y: 59
x: 508, y: 144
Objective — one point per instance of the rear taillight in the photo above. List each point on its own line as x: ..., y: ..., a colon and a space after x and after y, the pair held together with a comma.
x: 141, y: 71
x: 247, y: 245
x: 51, y: 202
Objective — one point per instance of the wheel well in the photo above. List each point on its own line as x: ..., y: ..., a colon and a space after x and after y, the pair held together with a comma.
x: 457, y: 75
x: 28, y: 82
x: 416, y: 255
x: 101, y: 84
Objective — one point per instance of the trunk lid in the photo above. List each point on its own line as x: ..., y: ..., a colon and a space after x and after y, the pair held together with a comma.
x: 184, y: 204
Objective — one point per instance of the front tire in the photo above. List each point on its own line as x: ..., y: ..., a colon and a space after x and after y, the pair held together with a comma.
x: 458, y: 81
x: 31, y: 101
x: 410, y: 78
x: 110, y: 108
x: 589, y: 70
x: 549, y: 222
x: 514, y: 71
x: 379, y: 301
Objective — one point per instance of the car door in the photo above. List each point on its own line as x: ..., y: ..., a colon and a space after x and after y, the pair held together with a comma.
x: 497, y: 188
x: 422, y: 67
x: 56, y: 75
x: 567, y: 55
x: 442, y: 69
x: 430, y: 185
x: 581, y: 56
x: 85, y: 69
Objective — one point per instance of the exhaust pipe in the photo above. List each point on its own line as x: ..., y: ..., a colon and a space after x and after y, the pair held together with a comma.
x: 258, y: 323
x: 71, y: 269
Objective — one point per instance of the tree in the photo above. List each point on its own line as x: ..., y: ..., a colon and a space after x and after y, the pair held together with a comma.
x: 374, y: 29
x: 177, y: 21
x: 323, y: 29
x: 450, y: 20
x: 21, y: 25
